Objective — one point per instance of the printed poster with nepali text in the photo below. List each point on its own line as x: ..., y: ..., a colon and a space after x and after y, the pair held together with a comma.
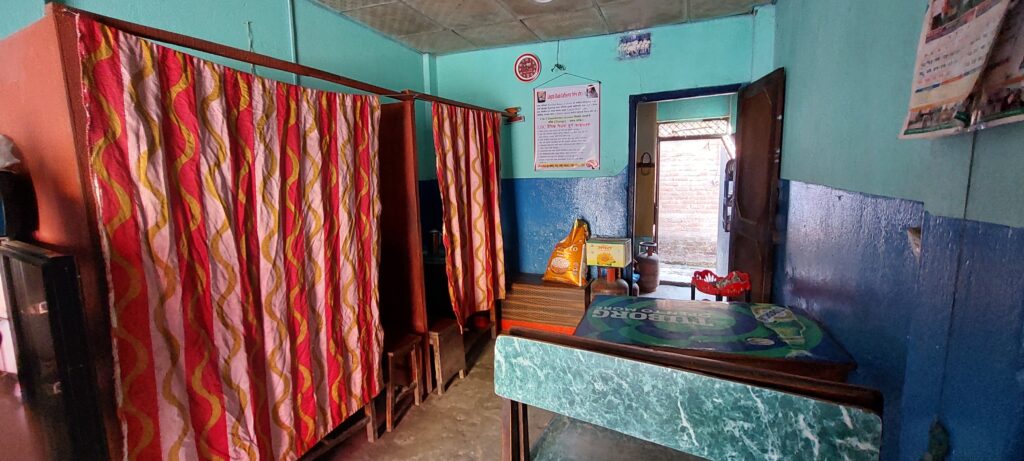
x: 953, y: 58
x: 1000, y: 99
x: 567, y: 127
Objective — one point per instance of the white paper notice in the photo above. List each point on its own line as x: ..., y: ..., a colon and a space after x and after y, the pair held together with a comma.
x: 567, y: 127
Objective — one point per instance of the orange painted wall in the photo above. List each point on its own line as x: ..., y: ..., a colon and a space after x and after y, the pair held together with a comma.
x: 36, y: 113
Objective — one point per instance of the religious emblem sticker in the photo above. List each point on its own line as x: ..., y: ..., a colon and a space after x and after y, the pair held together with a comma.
x: 527, y: 67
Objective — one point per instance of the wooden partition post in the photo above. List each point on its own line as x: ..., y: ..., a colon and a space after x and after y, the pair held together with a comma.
x: 403, y: 305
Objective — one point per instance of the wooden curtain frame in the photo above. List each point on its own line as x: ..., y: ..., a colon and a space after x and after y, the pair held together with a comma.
x: 262, y: 60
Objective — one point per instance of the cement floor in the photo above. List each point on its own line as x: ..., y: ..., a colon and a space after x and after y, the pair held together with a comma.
x: 22, y: 437
x: 462, y: 425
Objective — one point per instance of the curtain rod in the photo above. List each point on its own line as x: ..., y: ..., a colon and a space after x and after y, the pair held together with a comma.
x: 451, y: 102
x: 261, y: 60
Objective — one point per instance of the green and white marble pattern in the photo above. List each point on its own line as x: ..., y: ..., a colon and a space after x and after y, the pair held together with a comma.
x: 567, y: 439
x: 696, y: 414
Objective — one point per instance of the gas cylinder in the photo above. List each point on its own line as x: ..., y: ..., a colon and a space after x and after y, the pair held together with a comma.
x: 647, y: 266
x: 611, y: 284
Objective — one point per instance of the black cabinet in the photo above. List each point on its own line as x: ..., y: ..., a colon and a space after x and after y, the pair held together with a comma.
x: 43, y: 298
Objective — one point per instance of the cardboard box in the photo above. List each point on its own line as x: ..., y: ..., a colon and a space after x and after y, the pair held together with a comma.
x: 609, y: 252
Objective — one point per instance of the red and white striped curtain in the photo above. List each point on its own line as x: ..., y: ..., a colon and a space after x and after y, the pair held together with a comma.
x: 239, y: 223
x: 468, y: 168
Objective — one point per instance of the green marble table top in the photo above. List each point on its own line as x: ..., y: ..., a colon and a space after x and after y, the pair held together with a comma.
x: 567, y: 439
x: 708, y: 417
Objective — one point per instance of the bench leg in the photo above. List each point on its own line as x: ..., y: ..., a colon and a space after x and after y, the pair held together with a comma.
x: 494, y: 319
x: 427, y: 370
x: 371, y: 421
x: 437, y: 369
x: 389, y: 417
x: 417, y: 357
x: 515, y: 434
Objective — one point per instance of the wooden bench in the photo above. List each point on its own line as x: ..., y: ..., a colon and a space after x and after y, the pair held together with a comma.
x: 667, y: 406
x: 403, y: 377
x: 448, y: 352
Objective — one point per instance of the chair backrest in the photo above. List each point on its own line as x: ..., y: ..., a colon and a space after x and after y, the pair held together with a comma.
x: 696, y: 413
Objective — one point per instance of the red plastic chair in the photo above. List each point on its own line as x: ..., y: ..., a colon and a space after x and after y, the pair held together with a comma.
x: 733, y: 285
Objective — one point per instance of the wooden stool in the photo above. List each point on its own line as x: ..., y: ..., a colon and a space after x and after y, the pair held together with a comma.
x: 409, y: 350
x: 448, y: 351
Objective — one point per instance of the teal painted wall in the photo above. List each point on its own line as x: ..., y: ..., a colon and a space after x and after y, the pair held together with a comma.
x: 425, y: 129
x: 325, y: 39
x: 331, y: 42
x: 762, y: 59
x: 684, y: 56
x: 222, y: 21
x: 947, y: 344
x: 695, y: 108
x: 996, y: 195
x: 17, y: 14
x: 849, y: 68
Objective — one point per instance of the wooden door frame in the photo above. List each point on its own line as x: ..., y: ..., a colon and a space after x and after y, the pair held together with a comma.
x: 634, y: 101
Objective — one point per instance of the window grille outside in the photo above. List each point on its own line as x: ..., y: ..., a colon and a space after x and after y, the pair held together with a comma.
x: 694, y: 129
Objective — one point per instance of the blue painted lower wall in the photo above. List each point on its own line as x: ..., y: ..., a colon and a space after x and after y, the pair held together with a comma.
x: 940, y: 335
x: 537, y: 213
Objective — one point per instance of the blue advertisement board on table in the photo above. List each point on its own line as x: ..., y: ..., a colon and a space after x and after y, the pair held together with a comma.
x: 743, y: 331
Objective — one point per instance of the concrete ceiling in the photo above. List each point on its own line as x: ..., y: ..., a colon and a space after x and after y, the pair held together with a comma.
x: 451, y: 26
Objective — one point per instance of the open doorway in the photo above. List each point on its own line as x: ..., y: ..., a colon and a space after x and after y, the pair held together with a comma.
x: 688, y: 226
x: 742, y: 126
x: 683, y: 149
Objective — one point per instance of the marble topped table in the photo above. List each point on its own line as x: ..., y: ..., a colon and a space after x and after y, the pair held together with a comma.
x: 767, y: 336
x: 685, y: 411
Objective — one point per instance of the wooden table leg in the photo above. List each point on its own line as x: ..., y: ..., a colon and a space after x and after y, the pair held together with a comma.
x: 515, y: 434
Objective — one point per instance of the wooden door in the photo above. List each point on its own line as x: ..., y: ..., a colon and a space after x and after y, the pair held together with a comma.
x: 758, y: 155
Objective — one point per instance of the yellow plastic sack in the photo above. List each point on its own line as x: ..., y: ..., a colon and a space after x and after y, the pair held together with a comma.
x: 566, y: 262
